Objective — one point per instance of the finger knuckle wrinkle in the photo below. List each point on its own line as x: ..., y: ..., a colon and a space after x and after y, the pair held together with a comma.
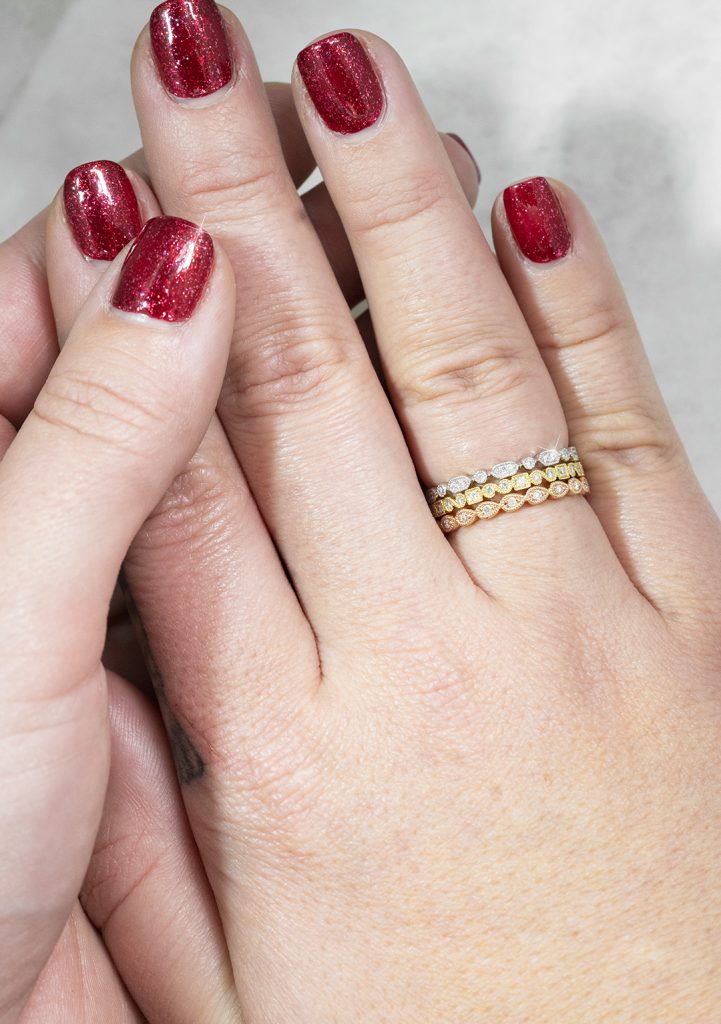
x: 379, y: 210
x: 633, y: 435
x: 294, y: 365
x: 194, y: 510
x: 463, y: 377
x: 97, y: 411
x: 604, y: 325
x: 230, y: 184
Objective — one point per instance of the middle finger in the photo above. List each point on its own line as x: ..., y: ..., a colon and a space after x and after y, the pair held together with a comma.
x: 302, y: 406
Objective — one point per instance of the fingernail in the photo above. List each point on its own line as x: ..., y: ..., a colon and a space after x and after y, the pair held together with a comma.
x: 191, y: 48
x: 342, y: 83
x: 461, y: 143
x: 166, y: 271
x: 537, y: 221
x: 101, y: 208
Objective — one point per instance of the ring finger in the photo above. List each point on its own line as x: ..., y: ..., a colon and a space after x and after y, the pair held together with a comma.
x: 465, y: 375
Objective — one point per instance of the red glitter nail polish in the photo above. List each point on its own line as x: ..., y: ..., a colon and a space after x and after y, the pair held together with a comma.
x: 101, y: 208
x: 166, y: 270
x: 536, y: 219
x: 191, y: 48
x: 342, y: 83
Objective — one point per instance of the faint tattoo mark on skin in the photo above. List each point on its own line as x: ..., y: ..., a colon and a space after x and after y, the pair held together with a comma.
x: 188, y: 762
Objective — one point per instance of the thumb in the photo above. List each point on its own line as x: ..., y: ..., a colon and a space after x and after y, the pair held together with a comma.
x: 126, y: 405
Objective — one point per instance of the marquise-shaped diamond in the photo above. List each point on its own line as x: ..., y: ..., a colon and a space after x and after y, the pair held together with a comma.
x: 504, y: 469
x: 459, y: 483
x: 536, y: 495
x: 466, y: 517
x: 488, y: 510
x: 549, y: 457
x: 558, y: 490
x: 512, y: 502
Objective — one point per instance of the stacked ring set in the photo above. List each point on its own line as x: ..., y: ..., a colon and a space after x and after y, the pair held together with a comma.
x: 507, y: 487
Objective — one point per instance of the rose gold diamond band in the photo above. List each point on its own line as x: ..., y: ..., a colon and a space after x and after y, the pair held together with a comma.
x: 502, y: 470
x: 455, y: 506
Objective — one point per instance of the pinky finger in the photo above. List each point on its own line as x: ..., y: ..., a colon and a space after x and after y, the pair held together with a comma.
x: 100, y: 209
x: 145, y: 890
x: 643, y: 487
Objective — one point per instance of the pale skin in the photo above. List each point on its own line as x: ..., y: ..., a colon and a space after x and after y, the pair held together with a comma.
x: 461, y: 779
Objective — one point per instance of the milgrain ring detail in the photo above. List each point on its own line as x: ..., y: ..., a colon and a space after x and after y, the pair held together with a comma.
x: 518, y: 482
x: 502, y: 470
x: 513, y: 502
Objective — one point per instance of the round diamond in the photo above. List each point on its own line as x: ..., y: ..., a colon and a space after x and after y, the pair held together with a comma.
x: 459, y: 483
x: 536, y: 476
x: 480, y: 476
x: 529, y: 462
x: 441, y: 490
x: 565, y: 454
x: 448, y: 524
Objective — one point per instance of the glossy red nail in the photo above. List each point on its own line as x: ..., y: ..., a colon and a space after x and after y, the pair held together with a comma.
x: 342, y: 83
x: 191, y: 48
x: 101, y: 208
x: 166, y: 270
x: 537, y: 221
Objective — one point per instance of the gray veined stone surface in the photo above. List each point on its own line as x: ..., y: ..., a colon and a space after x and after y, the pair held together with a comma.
x: 620, y: 98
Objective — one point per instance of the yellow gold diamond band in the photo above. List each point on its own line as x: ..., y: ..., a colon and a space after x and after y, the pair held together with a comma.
x: 502, y: 470
x: 518, y: 482
x: 512, y: 502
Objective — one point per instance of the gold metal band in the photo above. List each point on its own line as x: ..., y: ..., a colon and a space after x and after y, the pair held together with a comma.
x: 518, y: 482
x: 502, y: 470
x: 512, y: 501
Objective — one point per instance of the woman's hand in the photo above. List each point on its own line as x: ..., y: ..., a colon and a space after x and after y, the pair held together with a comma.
x: 144, y: 889
x: 430, y: 779
x: 433, y: 779
x: 28, y: 323
x: 126, y: 404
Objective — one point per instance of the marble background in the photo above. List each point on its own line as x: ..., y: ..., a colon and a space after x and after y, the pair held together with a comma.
x: 620, y: 98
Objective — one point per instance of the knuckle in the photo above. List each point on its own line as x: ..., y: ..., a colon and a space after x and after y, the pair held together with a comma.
x: 100, y: 412
x: 225, y: 184
x: 603, y: 324
x: 631, y: 433
x: 380, y: 206
x: 195, y: 512
x: 457, y: 375
x: 295, y: 359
